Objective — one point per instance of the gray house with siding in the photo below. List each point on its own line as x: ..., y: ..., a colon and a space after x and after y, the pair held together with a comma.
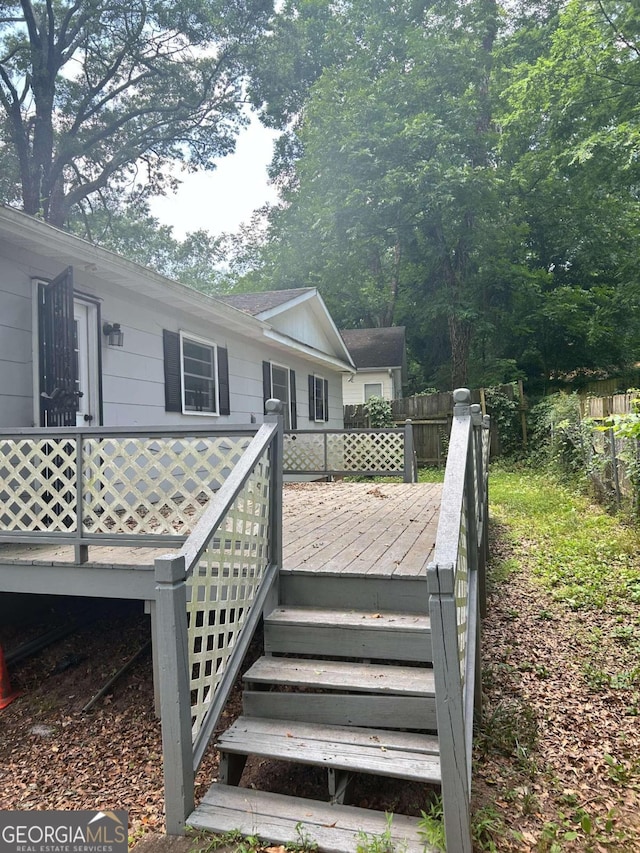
x: 87, y: 337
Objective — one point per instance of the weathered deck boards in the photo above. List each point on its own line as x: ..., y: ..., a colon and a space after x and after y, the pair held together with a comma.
x: 377, y: 529
x: 382, y: 529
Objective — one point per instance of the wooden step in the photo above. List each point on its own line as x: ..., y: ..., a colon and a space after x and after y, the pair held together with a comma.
x: 376, y: 635
x: 402, y: 755
x: 369, y: 695
x: 371, y: 592
x: 342, y: 675
x: 280, y: 819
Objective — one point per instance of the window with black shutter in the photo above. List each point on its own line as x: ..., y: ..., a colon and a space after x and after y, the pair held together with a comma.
x: 318, y: 398
x: 196, y: 373
x: 279, y: 383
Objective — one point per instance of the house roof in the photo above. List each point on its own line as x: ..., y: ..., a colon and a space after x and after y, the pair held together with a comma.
x: 376, y: 348
x: 277, y: 307
x: 258, y: 303
x: 101, y: 268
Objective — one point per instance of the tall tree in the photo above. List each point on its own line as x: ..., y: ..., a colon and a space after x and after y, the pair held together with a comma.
x: 97, y: 94
x: 394, y: 181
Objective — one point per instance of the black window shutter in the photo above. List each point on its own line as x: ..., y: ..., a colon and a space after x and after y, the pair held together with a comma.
x: 293, y: 401
x: 266, y: 380
x: 172, y: 372
x: 312, y: 397
x: 326, y: 399
x: 223, y: 381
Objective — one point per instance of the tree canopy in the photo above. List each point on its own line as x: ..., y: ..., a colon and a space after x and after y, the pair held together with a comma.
x: 102, y: 95
x: 465, y: 168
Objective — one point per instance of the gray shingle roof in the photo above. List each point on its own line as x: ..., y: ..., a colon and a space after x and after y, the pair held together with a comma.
x: 383, y: 347
x: 256, y: 303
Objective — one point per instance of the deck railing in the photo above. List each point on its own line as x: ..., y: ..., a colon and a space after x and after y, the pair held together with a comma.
x: 112, y: 486
x: 210, y: 596
x: 355, y: 452
x: 456, y: 584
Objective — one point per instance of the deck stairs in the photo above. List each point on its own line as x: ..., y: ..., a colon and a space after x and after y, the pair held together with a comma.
x: 345, y: 683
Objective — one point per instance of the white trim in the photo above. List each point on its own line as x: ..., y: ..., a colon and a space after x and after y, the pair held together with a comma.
x: 306, y: 351
x: 321, y: 312
x: 325, y: 400
x: 214, y: 346
x: 273, y: 364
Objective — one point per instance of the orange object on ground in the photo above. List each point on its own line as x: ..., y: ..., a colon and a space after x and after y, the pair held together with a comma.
x: 7, y: 695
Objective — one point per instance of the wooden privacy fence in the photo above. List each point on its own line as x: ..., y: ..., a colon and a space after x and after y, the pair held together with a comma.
x: 431, y: 418
x: 614, y: 457
x: 369, y: 452
x: 456, y: 584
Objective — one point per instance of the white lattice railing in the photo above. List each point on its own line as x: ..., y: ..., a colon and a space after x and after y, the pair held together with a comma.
x: 112, y: 486
x: 374, y: 452
x: 210, y: 598
x: 456, y: 603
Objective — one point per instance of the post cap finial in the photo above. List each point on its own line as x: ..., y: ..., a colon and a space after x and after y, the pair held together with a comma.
x: 273, y: 407
x: 462, y: 395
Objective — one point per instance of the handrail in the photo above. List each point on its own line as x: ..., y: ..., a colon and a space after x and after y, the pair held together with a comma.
x: 455, y: 580
x: 219, y: 504
x: 216, y: 586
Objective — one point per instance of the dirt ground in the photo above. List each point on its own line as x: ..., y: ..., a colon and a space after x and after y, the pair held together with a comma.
x: 55, y: 756
x: 556, y: 766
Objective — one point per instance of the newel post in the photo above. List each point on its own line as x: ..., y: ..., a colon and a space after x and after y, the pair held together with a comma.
x: 410, y: 466
x: 175, y: 699
x: 275, y: 414
x: 449, y: 707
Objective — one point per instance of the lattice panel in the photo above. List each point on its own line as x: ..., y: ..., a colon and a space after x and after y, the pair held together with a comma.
x: 38, y: 485
x: 223, y: 586
x: 304, y: 452
x: 153, y: 485
x: 462, y: 590
x: 365, y: 451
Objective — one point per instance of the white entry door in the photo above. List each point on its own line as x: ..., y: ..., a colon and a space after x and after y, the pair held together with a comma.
x: 85, y: 322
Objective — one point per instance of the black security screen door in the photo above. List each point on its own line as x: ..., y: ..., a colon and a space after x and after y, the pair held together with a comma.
x: 58, y: 358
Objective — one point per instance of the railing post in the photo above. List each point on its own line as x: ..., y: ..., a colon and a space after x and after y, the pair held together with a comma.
x: 274, y: 414
x: 449, y: 707
x: 81, y: 550
x: 175, y: 699
x: 410, y: 468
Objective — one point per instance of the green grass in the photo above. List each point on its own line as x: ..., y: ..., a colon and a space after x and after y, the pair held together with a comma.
x: 585, y: 557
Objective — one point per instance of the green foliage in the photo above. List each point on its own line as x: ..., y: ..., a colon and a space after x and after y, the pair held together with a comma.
x: 382, y: 843
x: 379, y: 412
x: 560, y: 435
x: 505, y: 411
x: 99, y: 98
x: 582, y: 555
x: 431, y: 826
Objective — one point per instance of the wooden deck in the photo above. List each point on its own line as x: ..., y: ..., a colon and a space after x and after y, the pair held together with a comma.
x: 355, y: 529
x: 352, y: 529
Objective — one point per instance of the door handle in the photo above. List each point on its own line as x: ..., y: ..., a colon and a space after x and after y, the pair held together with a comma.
x: 88, y: 418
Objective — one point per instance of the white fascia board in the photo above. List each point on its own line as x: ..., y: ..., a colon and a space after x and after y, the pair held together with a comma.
x: 105, y: 267
x: 321, y: 313
x: 306, y: 351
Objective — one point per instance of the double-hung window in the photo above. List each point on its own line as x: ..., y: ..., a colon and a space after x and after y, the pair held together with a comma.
x: 199, y: 376
x: 196, y: 373
x: 279, y: 383
x: 318, y: 398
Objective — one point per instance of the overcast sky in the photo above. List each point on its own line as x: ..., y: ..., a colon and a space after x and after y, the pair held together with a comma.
x: 225, y: 198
